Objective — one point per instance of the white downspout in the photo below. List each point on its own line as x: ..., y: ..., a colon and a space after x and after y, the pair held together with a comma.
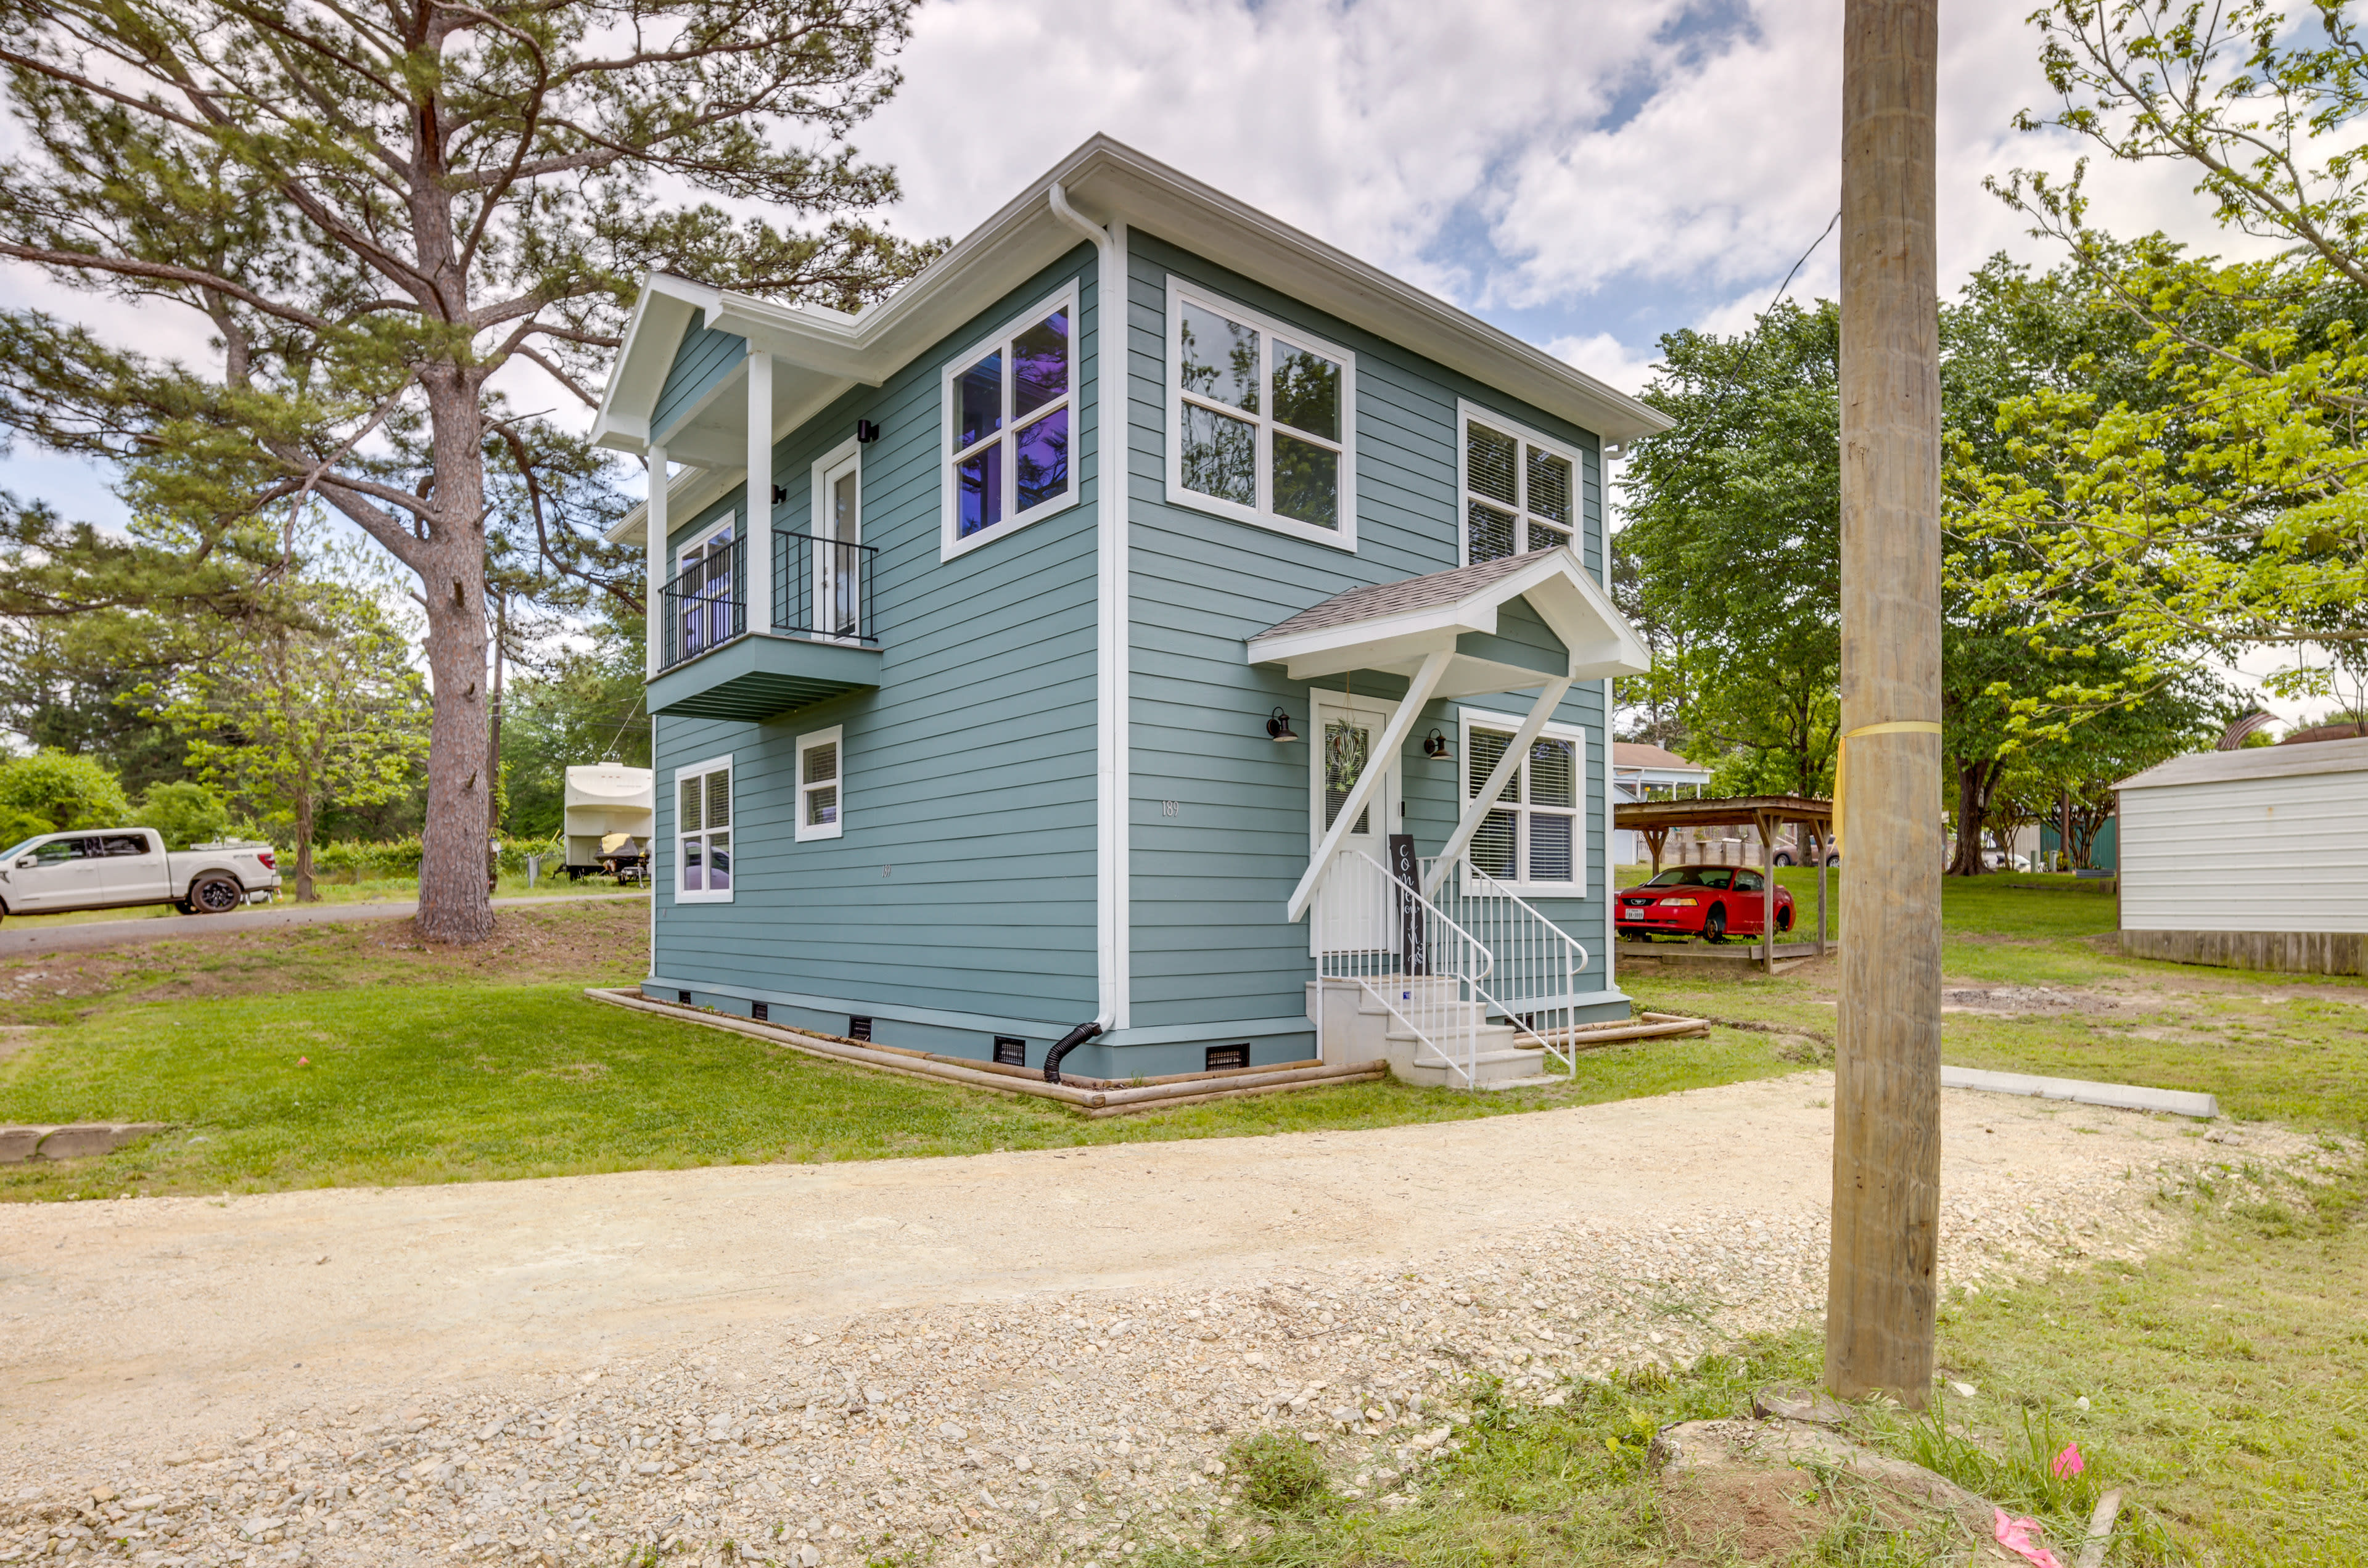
x: 1112, y: 841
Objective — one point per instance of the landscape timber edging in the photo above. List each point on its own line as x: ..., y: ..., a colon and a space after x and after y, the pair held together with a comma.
x: 1092, y: 1102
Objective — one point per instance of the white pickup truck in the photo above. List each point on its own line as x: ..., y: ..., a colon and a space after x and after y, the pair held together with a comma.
x: 121, y: 867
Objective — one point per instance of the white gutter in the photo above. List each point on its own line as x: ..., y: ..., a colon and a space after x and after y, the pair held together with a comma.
x: 1113, y: 839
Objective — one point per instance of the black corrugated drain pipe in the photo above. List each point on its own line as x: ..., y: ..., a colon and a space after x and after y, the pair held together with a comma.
x: 1069, y: 1042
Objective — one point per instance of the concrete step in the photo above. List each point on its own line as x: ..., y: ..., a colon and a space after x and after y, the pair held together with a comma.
x: 1498, y: 1059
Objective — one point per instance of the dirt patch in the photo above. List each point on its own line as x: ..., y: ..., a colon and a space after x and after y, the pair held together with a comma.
x: 1743, y: 1516
x: 1969, y: 998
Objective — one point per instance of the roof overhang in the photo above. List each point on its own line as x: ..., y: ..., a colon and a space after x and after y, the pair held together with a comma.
x: 1599, y: 642
x: 827, y: 351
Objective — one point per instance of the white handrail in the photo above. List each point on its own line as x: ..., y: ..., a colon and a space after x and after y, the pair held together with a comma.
x: 1423, y: 967
x: 1537, y: 963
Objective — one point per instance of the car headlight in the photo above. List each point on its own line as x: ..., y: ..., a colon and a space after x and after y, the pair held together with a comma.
x: 1679, y: 903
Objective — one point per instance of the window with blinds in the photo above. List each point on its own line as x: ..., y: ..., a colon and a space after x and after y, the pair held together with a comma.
x: 821, y: 813
x: 702, y: 831
x: 1521, y: 493
x: 1531, y: 838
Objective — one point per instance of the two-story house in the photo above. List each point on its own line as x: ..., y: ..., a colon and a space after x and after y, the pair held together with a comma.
x: 1017, y: 665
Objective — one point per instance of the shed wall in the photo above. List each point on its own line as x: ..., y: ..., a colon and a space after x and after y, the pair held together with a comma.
x: 2249, y: 854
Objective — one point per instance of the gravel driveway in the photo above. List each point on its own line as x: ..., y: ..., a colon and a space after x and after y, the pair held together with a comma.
x: 1025, y: 1357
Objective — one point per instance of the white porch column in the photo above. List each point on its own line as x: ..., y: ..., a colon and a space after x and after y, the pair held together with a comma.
x: 659, y: 556
x: 1473, y: 813
x: 757, y: 528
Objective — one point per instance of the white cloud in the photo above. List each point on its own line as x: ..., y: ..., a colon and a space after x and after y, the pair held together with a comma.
x: 1606, y: 359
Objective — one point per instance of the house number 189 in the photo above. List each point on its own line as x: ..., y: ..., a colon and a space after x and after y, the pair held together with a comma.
x: 1171, y: 809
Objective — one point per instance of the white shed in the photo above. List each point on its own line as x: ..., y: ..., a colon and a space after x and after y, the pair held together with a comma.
x: 2255, y: 858
x: 605, y: 799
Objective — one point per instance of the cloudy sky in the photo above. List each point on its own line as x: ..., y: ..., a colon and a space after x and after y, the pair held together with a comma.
x: 1587, y: 174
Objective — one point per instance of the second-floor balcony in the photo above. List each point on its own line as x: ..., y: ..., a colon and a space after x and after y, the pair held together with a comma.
x: 730, y: 649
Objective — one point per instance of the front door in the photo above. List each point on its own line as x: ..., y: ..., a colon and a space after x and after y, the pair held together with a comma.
x: 704, y: 597
x: 1347, y: 730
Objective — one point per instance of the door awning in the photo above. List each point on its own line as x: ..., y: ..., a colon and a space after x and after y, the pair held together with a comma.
x: 1564, y: 627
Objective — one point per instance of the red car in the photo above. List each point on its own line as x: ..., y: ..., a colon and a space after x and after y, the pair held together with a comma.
x: 1710, y: 901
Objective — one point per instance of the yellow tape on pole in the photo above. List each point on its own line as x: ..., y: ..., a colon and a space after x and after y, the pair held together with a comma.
x: 1841, y: 766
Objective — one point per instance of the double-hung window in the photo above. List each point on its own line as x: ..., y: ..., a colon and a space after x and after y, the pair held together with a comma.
x: 1533, y: 839
x: 820, y: 783
x: 1258, y: 419
x: 1010, y: 414
x: 702, y: 831
x: 1520, y: 491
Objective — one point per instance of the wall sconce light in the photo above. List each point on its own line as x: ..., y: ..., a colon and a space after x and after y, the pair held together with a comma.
x: 866, y: 432
x: 780, y: 493
x: 1434, y: 746
x: 1277, y: 726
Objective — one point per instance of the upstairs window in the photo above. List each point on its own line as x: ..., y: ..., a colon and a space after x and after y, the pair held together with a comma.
x: 1010, y: 414
x: 1258, y: 420
x: 1532, y: 839
x: 703, y: 833
x: 1521, y: 492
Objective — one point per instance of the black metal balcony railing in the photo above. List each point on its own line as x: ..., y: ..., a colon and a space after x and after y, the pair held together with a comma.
x: 822, y: 587
x: 703, y: 607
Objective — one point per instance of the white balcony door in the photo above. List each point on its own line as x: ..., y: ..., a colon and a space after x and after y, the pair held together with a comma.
x: 838, y: 580
x: 705, y: 587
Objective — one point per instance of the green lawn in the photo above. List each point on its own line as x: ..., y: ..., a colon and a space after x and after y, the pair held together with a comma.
x: 404, y: 1077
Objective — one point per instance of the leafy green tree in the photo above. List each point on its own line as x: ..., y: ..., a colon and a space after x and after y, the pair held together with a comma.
x: 377, y: 210
x: 87, y: 618
x: 50, y: 793
x: 1734, y: 520
x: 2224, y: 513
x: 185, y: 811
x: 310, y: 713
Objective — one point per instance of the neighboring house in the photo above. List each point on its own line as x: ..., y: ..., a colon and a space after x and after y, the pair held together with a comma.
x: 2254, y: 858
x: 1641, y: 772
x: 972, y: 737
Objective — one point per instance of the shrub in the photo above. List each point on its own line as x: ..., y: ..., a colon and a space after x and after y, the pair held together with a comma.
x: 51, y: 791
x: 1278, y: 1471
x: 185, y: 813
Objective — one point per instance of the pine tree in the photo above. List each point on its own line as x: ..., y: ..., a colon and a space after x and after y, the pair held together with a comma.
x: 379, y: 208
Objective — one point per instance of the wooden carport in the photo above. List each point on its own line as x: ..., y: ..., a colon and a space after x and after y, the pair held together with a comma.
x: 1656, y: 819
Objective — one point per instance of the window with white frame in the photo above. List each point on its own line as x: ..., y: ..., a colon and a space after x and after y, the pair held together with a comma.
x: 702, y: 831
x: 1520, y: 491
x: 1533, y: 839
x: 1010, y: 415
x: 820, y: 783
x: 1258, y: 417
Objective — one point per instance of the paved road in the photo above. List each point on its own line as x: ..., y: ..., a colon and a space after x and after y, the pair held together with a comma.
x: 32, y: 934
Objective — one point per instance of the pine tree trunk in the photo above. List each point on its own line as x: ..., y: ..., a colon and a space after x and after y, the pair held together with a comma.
x: 453, y: 903
x: 304, y: 893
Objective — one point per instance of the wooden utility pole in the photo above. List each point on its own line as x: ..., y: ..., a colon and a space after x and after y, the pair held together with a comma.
x: 1880, y: 1295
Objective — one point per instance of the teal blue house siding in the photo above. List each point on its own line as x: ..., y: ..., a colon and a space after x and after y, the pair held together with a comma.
x: 705, y: 358
x: 1209, y: 885
x: 959, y: 902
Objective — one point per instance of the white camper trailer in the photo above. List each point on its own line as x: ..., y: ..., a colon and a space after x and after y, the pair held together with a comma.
x: 611, y: 812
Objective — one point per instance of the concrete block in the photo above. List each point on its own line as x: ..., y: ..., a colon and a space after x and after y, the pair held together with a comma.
x: 88, y: 1138
x: 17, y: 1143
x: 2120, y: 1096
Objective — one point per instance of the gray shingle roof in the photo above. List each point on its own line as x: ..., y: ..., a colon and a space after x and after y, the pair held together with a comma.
x: 2254, y: 762
x: 1397, y: 598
